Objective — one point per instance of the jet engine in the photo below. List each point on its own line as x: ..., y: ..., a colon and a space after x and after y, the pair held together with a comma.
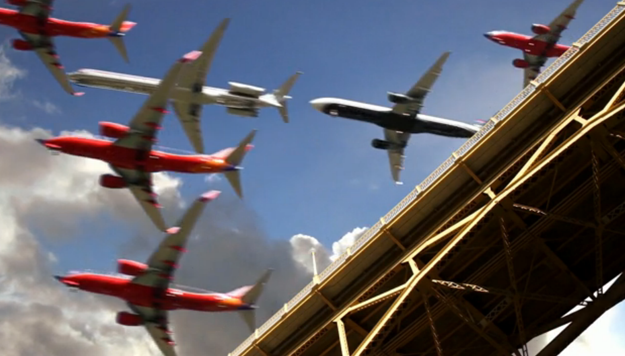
x: 130, y: 268
x: 540, y: 29
x: 16, y: 2
x: 112, y: 130
x: 397, y: 98
x: 22, y: 45
x: 384, y: 145
x: 242, y: 112
x: 129, y: 319
x: 520, y: 63
x: 112, y: 182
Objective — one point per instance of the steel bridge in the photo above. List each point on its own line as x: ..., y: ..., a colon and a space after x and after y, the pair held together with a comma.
x: 520, y: 225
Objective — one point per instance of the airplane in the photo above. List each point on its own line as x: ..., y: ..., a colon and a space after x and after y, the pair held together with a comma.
x: 147, y: 290
x: 38, y: 29
x: 131, y: 157
x: 400, y: 121
x: 191, y: 93
x: 539, y: 48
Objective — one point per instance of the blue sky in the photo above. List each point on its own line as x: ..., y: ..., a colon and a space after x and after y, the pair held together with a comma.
x: 317, y: 175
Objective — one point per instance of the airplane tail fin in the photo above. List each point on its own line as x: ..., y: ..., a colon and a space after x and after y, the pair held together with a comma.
x: 119, y: 27
x: 281, y: 95
x: 234, y: 157
x: 249, y: 295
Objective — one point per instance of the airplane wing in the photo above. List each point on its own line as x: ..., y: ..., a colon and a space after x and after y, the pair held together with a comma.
x: 163, y: 262
x: 552, y: 37
x: 559, y: 24
x: 193, y: 78
x: 141, y: 136
x: 144, y: 126
x: 37, y: 8
x: 140, y: 185
x: 396, y: 155
x: 45, y: 49
x: 533, y: 70
x: 421, y: 88
x: 156, y: 323
x: 161, y: 267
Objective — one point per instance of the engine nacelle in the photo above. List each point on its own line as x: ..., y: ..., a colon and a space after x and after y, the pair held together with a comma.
x: 113, y: 130
x: 16, y: 2
x: 246, y: 90
x: 242, y: 112
x: 520, y: 63
x: 130, y: 268
x: 381, y: 144
x: 129, y: 319
x: 397, y: 98
x: 22, y: 45
x: 112, y: 182
x: 540, y: 29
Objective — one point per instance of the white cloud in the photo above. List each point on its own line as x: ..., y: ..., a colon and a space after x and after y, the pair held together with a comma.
x: 54, y: 192
x: 213, y: 178
x: 9, y: 73
x: 302, y: 245
x: 47, y: 107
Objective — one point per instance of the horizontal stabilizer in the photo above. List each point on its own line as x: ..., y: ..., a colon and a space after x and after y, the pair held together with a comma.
x: 118, y: 28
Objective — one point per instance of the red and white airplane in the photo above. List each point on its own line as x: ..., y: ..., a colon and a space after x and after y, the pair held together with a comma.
x: 146, y: 287
x: 131, y: 155
x: 38, y: 29
x: 539, y: 48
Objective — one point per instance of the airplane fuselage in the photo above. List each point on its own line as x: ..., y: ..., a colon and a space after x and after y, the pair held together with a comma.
x: 51, y: 26
x: 145, y: 85
x: 122, y: 157
x: 526, y: 44
x: 385, y: 118
x: 146, y: 296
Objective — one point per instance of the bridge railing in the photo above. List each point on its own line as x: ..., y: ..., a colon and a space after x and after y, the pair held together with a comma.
x: 502, y: 115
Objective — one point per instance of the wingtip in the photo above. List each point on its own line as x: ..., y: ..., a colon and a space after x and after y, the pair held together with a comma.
x: 399, y: 183
x: 208, y: 196
x: 191, y: 56
x: 78, y: 93
x: 172, y: 230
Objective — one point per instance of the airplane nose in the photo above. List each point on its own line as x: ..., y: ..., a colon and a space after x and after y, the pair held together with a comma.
x: 43, y: 142
x: 488, y: 35
x: 318, y: 104
x: 58, y: 278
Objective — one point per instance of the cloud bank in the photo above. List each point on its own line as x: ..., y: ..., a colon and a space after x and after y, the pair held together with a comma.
x: 46, y: 197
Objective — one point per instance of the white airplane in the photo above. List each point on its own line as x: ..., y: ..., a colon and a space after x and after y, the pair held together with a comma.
x: 402, y: 120
x: 191, y: 94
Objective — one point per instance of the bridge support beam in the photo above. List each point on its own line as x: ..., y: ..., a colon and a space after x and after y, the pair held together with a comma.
x: 585, y: 317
